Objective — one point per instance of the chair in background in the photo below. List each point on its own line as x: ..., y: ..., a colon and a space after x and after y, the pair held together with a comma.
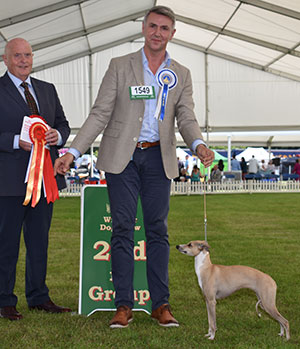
x: 249, y: 176
x: 290, y: 176
x: 229, y: 177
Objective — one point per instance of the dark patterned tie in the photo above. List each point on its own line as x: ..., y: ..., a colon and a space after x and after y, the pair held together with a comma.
x: 30, y: 100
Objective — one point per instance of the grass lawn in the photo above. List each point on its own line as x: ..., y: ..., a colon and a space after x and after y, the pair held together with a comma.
x: 259, y: 230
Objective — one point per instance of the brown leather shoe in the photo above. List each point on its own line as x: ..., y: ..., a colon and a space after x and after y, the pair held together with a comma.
x: 164, y: 316
x: 50, y: 307
x: 10, y: 313
x: 122, y: 317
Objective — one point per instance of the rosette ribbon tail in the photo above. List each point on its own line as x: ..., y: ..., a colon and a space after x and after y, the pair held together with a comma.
x: 49, y: 179
x: 34, y: 184
x: 164, y: 98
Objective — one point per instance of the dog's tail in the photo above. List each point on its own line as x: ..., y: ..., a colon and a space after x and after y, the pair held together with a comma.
x: 256, y: 307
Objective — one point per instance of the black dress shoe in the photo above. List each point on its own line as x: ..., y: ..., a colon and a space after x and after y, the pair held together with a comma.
x: 10, y: 313
x: 50, y: 307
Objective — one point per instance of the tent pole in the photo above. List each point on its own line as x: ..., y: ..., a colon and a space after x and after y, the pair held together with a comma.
x: 269, y: 143
x: 90, y: 105
x: 229, y: 152
x: 206, y: 105
x: 207, y: 141
x: 206, y: 98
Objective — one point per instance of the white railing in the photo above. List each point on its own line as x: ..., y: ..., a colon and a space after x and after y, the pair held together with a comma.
x: 71, y: 190
x: 226, y: 187
x: 232, y: 187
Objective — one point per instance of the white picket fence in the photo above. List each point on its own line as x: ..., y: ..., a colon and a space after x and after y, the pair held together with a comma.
x: 71, y: 190
x: 235, y: 187
x: 226, y: 187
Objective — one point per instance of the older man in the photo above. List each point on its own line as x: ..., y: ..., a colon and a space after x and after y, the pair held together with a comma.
x: 22, y: 95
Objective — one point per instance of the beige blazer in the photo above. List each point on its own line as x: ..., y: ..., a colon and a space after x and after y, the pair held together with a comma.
x: 120, y: 118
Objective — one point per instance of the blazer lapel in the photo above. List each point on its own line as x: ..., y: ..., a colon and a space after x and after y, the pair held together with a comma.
x: 137, y: 67
x: 14, y: 93
x: 38, y: 94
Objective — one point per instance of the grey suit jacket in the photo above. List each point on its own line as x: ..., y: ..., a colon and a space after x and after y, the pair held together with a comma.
x: 120, y: 119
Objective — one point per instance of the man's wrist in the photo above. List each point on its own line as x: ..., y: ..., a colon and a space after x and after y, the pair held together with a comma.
x: 76, y: 153
x: 196, y: 143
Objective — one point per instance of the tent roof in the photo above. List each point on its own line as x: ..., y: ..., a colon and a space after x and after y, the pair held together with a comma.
x: 260, y: 34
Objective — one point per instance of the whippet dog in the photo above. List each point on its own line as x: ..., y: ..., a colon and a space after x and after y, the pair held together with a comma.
x: 219, y: 281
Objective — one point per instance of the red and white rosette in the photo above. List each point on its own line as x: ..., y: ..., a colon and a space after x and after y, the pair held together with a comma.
x: 40, y: 166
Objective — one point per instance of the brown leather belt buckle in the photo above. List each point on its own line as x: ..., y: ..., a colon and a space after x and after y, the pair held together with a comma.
x: 145, y: 145
x: 142, y: 145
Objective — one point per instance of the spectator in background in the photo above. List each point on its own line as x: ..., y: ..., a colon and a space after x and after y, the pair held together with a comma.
x: 221, y: 165
x: 235, y: 164
x: 180, y: 164
x: 183, y: 175
x: 180, y: 167
x: 271, y: 167
x: 244, y: 168
x: 263, y: 166
x: 196, y: 174
x: 253, y: 165
x: 186, y: 164
x: 296, y: 168
x: 216, y: 174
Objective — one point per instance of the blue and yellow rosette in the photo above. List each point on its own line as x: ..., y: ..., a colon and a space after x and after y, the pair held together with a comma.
x: 167, y: 80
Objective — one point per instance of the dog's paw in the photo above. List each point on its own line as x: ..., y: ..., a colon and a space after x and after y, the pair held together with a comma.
x: 210, y: 336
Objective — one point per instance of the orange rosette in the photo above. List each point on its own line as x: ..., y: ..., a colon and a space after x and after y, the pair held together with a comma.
x: 40, y: 167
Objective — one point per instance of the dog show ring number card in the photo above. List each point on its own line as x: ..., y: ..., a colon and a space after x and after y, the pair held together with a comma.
x: 141, y: 92
x: 96, y: 291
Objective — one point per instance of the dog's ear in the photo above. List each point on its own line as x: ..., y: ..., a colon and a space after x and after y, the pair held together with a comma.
x: 204, y: 246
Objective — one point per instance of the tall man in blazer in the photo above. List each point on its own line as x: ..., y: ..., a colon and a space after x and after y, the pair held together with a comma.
x: 14, y: 157
x: 138, y: 155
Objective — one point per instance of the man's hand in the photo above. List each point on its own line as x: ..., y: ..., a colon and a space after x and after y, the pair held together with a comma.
x: 25, y: 145
x: 63, y: 163
x: 206, y: 155
x: 51, y: 136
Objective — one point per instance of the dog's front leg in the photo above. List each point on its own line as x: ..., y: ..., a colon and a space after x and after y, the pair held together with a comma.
x: 211, y: 314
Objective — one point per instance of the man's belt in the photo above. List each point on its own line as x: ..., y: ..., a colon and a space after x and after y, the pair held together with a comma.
x: 144, y: 145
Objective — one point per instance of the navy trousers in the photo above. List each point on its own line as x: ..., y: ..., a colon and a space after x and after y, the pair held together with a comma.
x: 35, y: 223
x: 144, y: 176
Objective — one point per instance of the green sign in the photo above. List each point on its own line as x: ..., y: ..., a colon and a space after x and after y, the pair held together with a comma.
x: 96, y: 288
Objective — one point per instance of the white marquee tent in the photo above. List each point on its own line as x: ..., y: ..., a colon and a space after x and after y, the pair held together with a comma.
x: 259, y: 154
x: 244, y: 56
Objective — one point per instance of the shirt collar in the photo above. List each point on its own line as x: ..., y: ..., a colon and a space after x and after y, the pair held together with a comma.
x: 18, y: 81
x: 167, y: 60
